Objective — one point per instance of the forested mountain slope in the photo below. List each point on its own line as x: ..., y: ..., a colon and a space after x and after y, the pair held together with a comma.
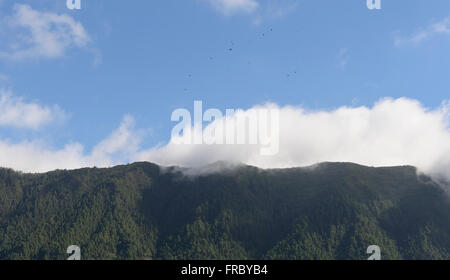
x: 331, y: 211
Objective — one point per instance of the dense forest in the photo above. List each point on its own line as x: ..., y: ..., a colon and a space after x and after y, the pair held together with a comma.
x: 143, y: 211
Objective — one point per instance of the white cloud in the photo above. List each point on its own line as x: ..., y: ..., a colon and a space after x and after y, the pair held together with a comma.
x: 14, y: 112
x: 229, y: 7
x: 42, y: 34
x: 35, y: 156
x: 439, y: 28
x: 121, y: 146
x: 257, y: 10
x: 392, y: 132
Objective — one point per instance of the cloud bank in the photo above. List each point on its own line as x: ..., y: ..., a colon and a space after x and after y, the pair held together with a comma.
x: 42, y: 34
x: 120, y: 146
x: 391, y: 132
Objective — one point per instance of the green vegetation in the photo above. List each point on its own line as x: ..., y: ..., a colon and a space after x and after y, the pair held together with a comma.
x: 333, y: 211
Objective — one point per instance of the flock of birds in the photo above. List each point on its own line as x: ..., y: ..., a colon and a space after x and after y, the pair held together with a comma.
x: 230, y: 51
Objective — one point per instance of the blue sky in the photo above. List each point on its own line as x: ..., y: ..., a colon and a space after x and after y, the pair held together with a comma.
x: 143, y: 59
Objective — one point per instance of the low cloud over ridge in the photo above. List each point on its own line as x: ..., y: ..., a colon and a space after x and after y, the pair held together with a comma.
x: 391, y: 132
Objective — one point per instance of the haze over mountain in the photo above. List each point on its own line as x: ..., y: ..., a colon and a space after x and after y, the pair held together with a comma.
x: 329, y: 211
